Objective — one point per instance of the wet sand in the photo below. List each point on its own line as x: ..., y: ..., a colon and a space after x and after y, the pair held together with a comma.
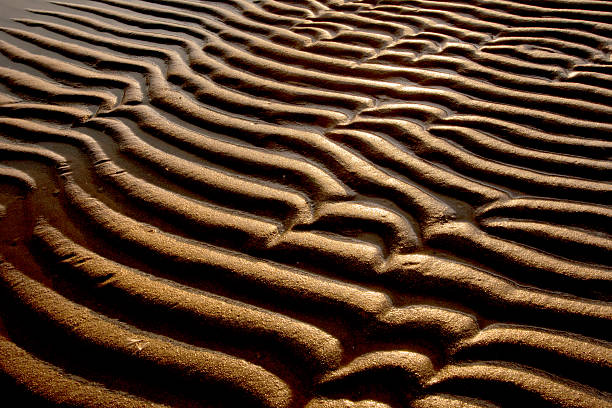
x: 306, y: 203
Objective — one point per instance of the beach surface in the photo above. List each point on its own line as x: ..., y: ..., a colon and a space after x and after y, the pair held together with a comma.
x: 306, y: 203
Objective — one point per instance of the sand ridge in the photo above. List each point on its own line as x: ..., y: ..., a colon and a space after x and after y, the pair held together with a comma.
x: 318, y: 203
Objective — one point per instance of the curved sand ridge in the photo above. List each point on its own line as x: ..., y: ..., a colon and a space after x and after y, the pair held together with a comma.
x: 317, y: 203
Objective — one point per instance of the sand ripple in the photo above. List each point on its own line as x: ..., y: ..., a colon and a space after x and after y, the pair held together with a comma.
x: 317, y: 203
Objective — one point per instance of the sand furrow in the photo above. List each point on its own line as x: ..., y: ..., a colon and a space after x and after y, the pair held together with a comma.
x: 588, y: 94
x: 541, y: 119
x: 6, y: 98
x: 493, y: 15
x: 444, y: 325
x: 495, y: 98
x: 38, y: 88
x: 495, y: 379
x: 312, y: 179
x: 257, y: 44
x: 162, y: 95
x: 284, y: 38
x: 354, y: 20
x: 374, y: 303
x: 508, y: 64
x: 534, y: 54
x: 9, y: 175
x: 426, y: 24
x: 247, y: 8
x: 398, y: 233
x: 225, y: 28
x: 555, y: 104
x: 528, y: 137
x: 541, y: 349
x: 170, y: 358
x: 415, y: 368
x: 435, y: 115
x: 236, y: 56
x: 68, y: 72
x: 540, y: 10
x: 596, y: 42
x: 450, y: 401
x: 202, y: 309
x: 205, y: 90
x: 283, y: 9
x: 389, y: 155
x: 13, y: 151
x: 603, y: 68
x: 499, y: 295
x: 241, y: 230
x: 196, y: 311
x: 386, y: 320
x: 574, y: 4
x: 590, y: 78
x: 596, y: 218
x: 490, y: 147
x: 313, y: 5
x: 218, y: 72
x: 53, y: 385
x: 462, y: 27
x: 551, y: 16
x: 344, y: 403
x: 197, y: 176
x: 553, y: 238
x: 573, y: 50
x: 426, y: 206
x: 178, y: 71
x: 520, y: 261
x: 44, y: 111
x: 425, y: 144
x: 368, y: 176
x: 195, y: 259
x: 221, y: 29
x: 229, y: 17
x: 368, y: 39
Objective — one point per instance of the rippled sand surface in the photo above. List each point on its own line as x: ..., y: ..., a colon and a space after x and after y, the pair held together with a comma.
x: 306, y: 203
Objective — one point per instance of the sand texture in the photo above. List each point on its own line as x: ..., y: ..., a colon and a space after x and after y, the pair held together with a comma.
x: 306, y: 203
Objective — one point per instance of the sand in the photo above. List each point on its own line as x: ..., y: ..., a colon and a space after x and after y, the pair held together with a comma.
x: 306, y: 203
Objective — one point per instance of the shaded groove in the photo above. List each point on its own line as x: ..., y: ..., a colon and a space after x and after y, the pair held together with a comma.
x: 205, y: 90
x: 509, y: 153
x: 521, y: 261
x: 198, y: 175
x: 199, y: 311
x: 321, y: 185
x: 86, y: 326
x: 277, y: 90
x: 461, y: 84
x: 35, y: 87
x: 541, y: 349
x: 53, y: 385
x: 10, y: 175
x: 328, y: 62
x: 568, y: 213
x: 425, y: 144
x: 534, y: 387
x: 62, y: 70
x: 474, y: 286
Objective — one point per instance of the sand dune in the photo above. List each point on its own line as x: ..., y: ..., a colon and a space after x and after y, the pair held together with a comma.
x: 306, y: 203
